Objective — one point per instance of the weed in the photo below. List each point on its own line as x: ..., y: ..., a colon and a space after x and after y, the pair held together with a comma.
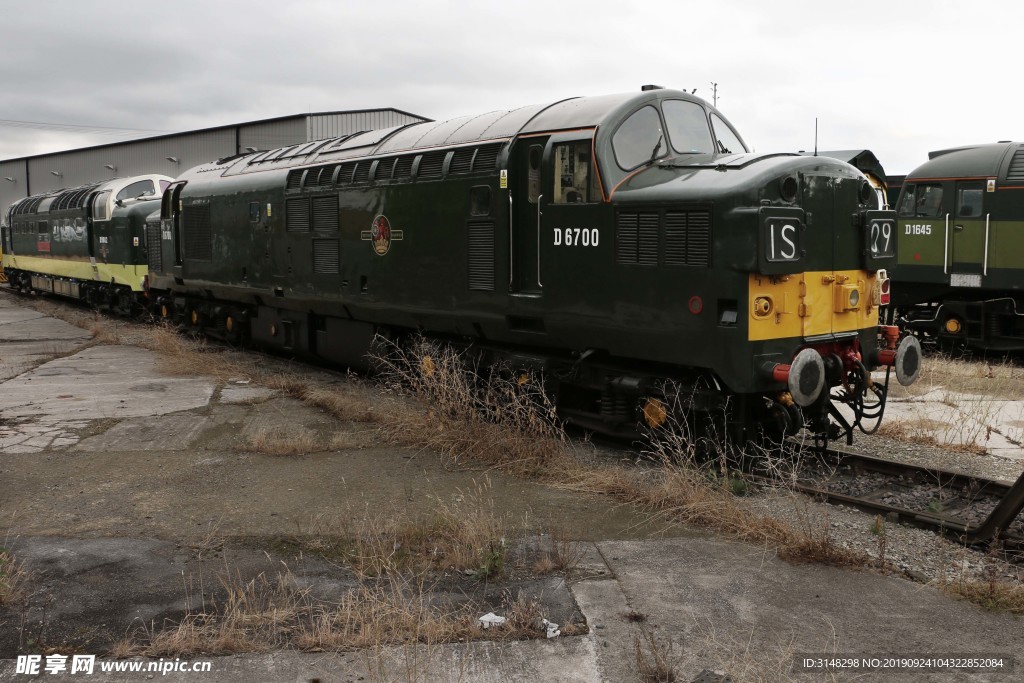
x: 12, y: 578
x: 280, y: 444
x: 654, y: 659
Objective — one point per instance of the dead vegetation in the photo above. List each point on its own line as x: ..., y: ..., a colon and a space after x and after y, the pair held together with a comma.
x: 655, y: 660
x: 12, y: 578
x: 396, y: 570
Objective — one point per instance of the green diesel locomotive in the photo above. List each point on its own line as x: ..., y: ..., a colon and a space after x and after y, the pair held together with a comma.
x: 614, y: 242
x: 86, y: 243
x: 960, y: 216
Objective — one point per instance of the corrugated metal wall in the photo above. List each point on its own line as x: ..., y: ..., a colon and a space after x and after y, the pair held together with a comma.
x: 80, y: 166
x: 14, y: 189
x: 323, y: 126
x: 129, y: 158
x: 272, y: 134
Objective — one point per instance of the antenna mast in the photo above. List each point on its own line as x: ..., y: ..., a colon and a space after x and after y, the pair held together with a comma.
x: 714, y: 94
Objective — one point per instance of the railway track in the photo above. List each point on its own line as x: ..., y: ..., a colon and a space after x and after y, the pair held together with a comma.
x: 974, y: 510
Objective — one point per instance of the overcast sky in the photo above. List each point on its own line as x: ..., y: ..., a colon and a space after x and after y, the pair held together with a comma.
x: 899, y: 78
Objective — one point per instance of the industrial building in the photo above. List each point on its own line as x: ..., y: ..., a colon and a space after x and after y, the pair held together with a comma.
x: 169, y: 154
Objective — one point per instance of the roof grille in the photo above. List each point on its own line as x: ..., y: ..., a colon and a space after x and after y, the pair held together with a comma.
x: 462, y: 160
x: 326, y: 257
x: 688, y: 238
x: 320, y: 177
x: 346, y: 173
x: 325, y: 213
x: 297, y: 214
x: 294, y: 179
x: 384, y: 169
x: 431, y: 165
x: 481, y: 256
x: 487, y: 157
x: 403, y: 168
x: 1016, y: 172
x: 362, y: 171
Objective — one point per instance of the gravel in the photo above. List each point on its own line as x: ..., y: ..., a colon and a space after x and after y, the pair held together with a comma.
x: 919, y: 554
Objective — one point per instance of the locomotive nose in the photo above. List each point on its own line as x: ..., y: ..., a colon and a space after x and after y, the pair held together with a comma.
x: 805, y: 376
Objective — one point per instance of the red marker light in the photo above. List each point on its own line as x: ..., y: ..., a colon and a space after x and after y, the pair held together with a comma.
x: 696, y: 305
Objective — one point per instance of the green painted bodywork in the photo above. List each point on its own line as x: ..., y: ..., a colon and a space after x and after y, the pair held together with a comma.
x: 564, y: 301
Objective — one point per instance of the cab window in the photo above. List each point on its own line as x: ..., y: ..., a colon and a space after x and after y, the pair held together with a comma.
x: 574, y: 175
x: 921, y: 201
x: 726, y: 139
x: 687, y: 127
x: 969, y: 198
x: 143, y: 188
x: 639, y: 139
x: 99, y: 206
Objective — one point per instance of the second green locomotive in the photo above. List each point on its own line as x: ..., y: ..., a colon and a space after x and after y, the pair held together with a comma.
x: 961, y: 256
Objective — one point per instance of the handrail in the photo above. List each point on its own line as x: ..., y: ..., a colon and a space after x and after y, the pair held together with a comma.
x: 539, y: 214
x: 945, y: 256
x: 511, y: 246
x: 984, y: 267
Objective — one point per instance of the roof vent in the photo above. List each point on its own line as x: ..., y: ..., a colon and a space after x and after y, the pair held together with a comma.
x: 650, y: 86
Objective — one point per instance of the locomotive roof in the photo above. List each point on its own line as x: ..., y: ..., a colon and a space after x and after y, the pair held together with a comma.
x: 863, y: 160
x: 966, y: 161
x: 568, y: 114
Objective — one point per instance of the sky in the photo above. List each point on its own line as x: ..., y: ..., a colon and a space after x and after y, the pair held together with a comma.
x: 900, y: 78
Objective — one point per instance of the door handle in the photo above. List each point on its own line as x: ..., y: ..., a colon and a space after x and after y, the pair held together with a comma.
x: 958, y: 228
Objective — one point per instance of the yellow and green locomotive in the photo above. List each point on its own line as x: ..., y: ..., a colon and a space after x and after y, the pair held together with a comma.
x: 86, y: 243
x: 958, y: 277
x: 614, y: 242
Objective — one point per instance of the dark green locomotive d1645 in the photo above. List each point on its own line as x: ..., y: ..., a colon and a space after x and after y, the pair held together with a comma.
x: 613, y: 241
x: 86, y: 243
x: 960, y: 271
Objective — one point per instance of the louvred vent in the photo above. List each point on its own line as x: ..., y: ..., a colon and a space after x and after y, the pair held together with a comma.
x: 294, y: 180
x: 431, y: 165
x: 462, y: 161
x: 403, y: 167
x: 481, y: 256
x: 326, y: 257
x: 487, y: 157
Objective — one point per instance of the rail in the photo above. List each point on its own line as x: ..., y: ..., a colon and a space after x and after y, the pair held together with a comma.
x: 962, y: 493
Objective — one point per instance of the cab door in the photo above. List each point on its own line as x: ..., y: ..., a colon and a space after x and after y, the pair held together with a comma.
x: 527, y: 214
x: 968, y: 235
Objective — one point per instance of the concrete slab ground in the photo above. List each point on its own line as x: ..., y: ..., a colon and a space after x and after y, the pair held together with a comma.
x: 114, y: 479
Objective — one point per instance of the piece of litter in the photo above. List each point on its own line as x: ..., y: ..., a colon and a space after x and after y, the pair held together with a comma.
x: 491, y: 619
x: 552, y: 629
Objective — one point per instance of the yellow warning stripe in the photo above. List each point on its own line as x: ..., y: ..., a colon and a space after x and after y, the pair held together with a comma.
x: 127, y: 275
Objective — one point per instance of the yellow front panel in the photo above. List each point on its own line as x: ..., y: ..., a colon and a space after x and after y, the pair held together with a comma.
x: 810, y: 304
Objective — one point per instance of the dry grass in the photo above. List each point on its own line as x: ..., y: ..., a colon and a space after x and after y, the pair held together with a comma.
x: 465, y: 534
x: 270, y: 613
x: 996, y: 378
x: 280, y: 444
x: 655, y: 660
x: 993, y: 592
x: 13, y: 578
x: 967, y: 404
x: 497, y: 416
